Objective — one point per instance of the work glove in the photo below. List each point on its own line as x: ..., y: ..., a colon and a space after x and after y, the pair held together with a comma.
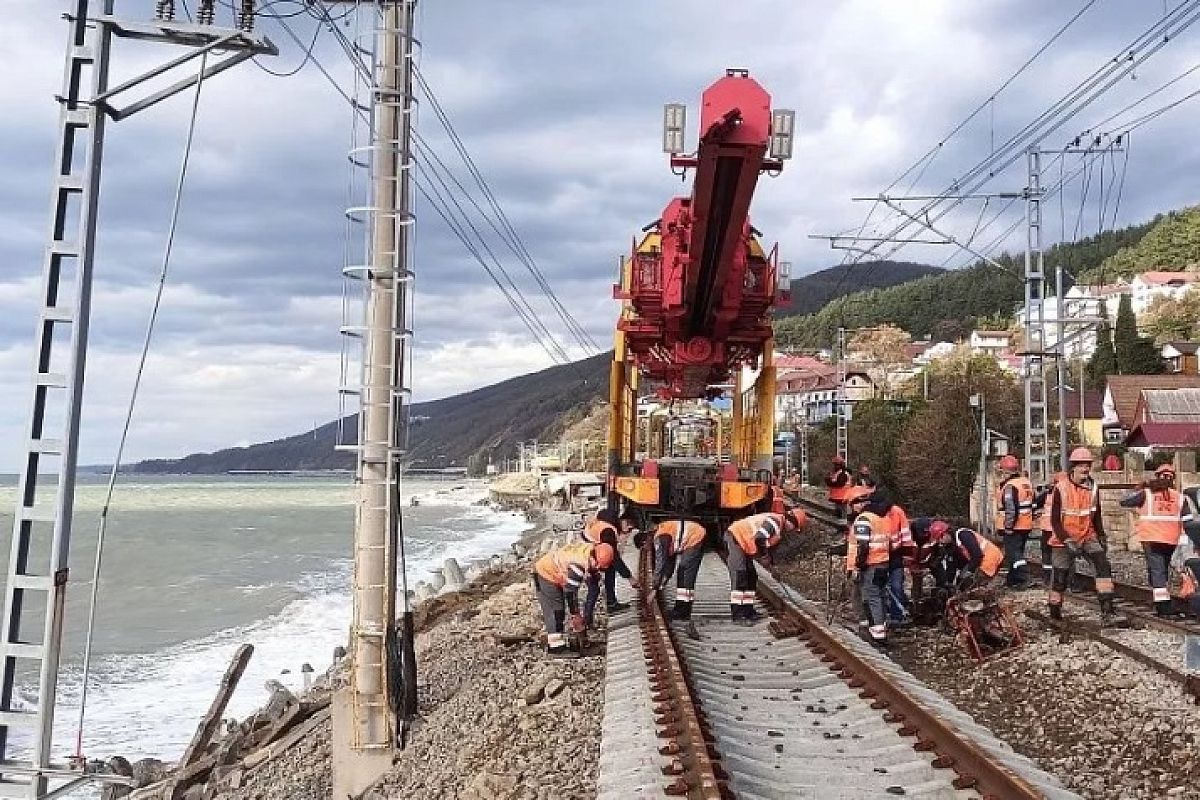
x: 576, y: 623
x: 1073, y: 548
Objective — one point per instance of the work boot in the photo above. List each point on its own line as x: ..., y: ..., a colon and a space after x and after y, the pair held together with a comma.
x: 749, y: 616
x: 1166, y: 610
x: 682, y: 610
x: 735, y: 611
x: 1108, y: 613
x: 1056, y: 612
x: 561, y: 652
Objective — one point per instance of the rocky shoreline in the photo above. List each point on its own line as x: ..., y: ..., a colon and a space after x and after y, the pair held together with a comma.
x: 496, y: 719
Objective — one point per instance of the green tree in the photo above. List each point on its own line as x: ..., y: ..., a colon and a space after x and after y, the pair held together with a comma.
x: 1125, y: 336
x: 1172, y: 319
x: 1104, y: 359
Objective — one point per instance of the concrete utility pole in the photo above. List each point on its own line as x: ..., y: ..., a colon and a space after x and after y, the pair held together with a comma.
x: 371, y: 713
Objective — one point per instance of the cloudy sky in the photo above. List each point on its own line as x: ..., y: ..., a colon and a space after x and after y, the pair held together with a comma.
x: 560, y: 106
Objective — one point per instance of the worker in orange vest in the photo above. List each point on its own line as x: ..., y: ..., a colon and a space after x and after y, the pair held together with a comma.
x: 1014, y: 516
x: 1077, y: 530
x: 602, y: 529
x: 557, y: 577
x: 747, y: 539
x: 898, y: 606
x: 839, y: 481
x: 1187, y: 555
x: 679, y: 541
x: 1162, y: 514
x: 868, y: 557
x: 1041, y: 521
x: 976, y: 559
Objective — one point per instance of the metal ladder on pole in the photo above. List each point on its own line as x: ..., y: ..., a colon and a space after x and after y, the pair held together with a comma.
x: 1037, y: 435
x: 37, y: 576
x: 842, y: 438
x: 41, y: 533
x: 378, y: 283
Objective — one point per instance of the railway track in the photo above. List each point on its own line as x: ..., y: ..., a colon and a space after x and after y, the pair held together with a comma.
x: 785, y: 709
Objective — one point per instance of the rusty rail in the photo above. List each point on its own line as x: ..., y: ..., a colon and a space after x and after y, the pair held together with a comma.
x: 692, y: 762
x: 975, y: 768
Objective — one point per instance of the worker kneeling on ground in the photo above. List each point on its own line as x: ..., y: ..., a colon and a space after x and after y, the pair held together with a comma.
x: 749, y: 538
x: 1162, y: 513
x: 557, y: 577
x: 678, y: 541
x: 603, y: 530
x: 868, y: 553
x: 976, y: 559
x: 1078, y: 531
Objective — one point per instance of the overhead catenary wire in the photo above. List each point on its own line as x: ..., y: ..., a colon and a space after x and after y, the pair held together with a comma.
x: 133, y: 395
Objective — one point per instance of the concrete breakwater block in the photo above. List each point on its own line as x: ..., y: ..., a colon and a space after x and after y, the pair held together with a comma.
x: 424, y: 591
x: 453, y: 574
x: 436, y: 580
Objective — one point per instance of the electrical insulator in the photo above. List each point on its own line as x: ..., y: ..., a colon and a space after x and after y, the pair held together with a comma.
x: 206, y: 14
x: 246, y: 20
x: 164, y: 9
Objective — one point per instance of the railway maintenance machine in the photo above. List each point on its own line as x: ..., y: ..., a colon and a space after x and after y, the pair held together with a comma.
x: 692, y: 386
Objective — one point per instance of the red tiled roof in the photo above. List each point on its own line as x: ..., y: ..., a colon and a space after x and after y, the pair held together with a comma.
x: 785, y: 361
x: 1160, y: 278
x: 1164, y: 434
x: 1093, y: 404
x: 1127, y: 389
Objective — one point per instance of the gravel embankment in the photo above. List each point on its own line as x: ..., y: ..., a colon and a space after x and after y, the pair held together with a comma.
x: 1109, y: 727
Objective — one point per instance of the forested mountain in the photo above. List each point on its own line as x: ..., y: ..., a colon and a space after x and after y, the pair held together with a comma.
x: 813, y: 291
x: 948, y: 305
x: 1172, y: 243
x: 444, y: 433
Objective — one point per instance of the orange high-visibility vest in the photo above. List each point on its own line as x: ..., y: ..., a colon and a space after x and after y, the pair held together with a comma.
x: 901, y: 533
x: 1024, y: 521
x: 555, y: 565
x: 876, y: 531
x: 744, y: 529
x: 680, y: 537
x: 837, y: 494
x: 595, y: 530
x: 1159, y: 518
x: 993, y: 556
x: 1078, y: 506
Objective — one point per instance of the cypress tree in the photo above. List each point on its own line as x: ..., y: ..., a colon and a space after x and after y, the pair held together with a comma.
x: 1125, y: 338
x: 1104, y: 359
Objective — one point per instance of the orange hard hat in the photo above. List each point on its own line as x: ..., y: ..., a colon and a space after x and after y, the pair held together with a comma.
x: 798, y: 517
x: 1165, y: 469
x: 1080, y: 455
x: 1010, y: 464
x: 838, y: 460
x: 938, y: 528
x: 603, y: 553
x: 858, y: 493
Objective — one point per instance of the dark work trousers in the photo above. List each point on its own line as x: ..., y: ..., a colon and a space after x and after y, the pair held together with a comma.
x: 687, y: 567
x: 1064, y: 562
x: 610, y: 581
x: 1014, y: 558
x: 1193, y: 565
x: 1047, y: 558
x: 554, y: 607
x: 1158, y: 558
x: 897, y: 598
x: 743, y: 578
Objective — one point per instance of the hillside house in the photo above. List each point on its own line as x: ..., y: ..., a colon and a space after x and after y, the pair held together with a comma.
x: 814, y: 398
x: 1085, y: 414
x: 1148, y: 286
x: 1180, y: 357
x: 993, y: 343
x: 1084, y: 302
x: 1122, y: 395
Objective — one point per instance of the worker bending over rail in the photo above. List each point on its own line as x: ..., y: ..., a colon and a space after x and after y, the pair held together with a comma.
x: 1078, y: 531
x: 679, y: 541
x: 1014, y: 516
x: 975, y: 558
x: 749, y: 538
x: 1162, y: 513
x: 557, y: 577
x: 603, y: 530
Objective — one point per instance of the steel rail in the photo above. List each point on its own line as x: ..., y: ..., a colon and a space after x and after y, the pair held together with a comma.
x: 975, y: 768
x: 679, y: 721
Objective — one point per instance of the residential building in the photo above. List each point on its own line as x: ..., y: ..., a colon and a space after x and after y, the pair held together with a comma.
x: 814, y: 397
x: 1168, y: 405
x: 992, y: 343
x: 1181, y: 357
x: 1080, y: 302
x: 1085, y: 414
x: 1148, y: 286
x: 1121, y: 397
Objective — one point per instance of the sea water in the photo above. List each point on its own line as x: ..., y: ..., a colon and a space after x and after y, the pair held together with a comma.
x: 196, y: 566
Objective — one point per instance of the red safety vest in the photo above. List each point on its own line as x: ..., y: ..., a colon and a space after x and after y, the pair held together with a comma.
x: 1159, y: 517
